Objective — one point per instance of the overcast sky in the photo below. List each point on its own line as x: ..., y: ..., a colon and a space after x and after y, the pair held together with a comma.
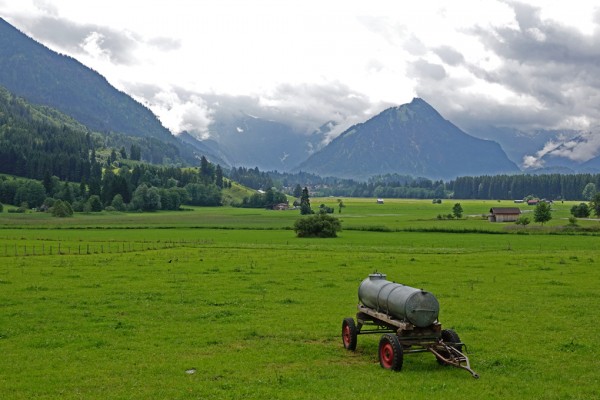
x: 525, y: 65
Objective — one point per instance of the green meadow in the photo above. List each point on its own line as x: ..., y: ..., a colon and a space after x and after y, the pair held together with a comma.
x: 226, y: 303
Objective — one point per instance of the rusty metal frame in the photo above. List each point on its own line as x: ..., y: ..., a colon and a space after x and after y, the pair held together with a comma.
x: 450, y: 355
x: 412, y: 338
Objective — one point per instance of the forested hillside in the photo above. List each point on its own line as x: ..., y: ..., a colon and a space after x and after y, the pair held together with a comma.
x: 35, y: 141
x: 41, y: 76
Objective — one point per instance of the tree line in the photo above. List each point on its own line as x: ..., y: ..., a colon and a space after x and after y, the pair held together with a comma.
x: 518, y: 186
x: 141, y: 187
x: 549, y: 186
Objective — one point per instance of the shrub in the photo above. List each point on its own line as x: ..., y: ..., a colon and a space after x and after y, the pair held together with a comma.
x: 78, y: 206
x: 1, y: 207
x: 323, y: 209
x: 523, y: 220
x: 94, y: 203
x: 118, y: 203
x: 580, y: 211
x: 318, y: 225
x: 61, y: 209
x: 457, y: 210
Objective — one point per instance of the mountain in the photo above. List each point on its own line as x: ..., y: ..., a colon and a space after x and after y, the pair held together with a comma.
x: 250, y: 141
x: 517, y: 143
x: 412, y: 139
x: 32, y: 71
x: 206, y: 147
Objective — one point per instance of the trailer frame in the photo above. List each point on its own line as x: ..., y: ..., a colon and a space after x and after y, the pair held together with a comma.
x: 402, y: 337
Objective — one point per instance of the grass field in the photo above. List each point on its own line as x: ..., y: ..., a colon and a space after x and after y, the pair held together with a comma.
x: 228, y: 303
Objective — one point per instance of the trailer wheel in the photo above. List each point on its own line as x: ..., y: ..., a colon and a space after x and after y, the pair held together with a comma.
x: 349, y: 334
x: 391, y: 355
x: 450, y: 337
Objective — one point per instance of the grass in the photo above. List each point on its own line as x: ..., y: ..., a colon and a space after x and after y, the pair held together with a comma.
x: 198, y: 312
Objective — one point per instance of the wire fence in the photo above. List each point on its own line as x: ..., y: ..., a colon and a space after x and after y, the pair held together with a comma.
x: 69, y: 248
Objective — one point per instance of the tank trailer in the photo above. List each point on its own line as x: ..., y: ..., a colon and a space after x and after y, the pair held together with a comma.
x: 408, y: 319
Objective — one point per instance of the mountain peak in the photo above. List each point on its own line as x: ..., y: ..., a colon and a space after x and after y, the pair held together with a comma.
x: 411, y: 139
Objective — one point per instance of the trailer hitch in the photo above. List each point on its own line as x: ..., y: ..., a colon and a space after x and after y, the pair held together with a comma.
x: 450, y: 355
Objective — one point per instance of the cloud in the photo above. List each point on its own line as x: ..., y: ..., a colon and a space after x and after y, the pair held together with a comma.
x: 579, y: 149
x: 449, y: 55
x: 304, y: 107
x: 46, y: 6
x: 178, y: 109
x: 165, y: 43
x: 117, y: 46
x: 531, y: 74
x: 422, y: 69
x: 554, y: 65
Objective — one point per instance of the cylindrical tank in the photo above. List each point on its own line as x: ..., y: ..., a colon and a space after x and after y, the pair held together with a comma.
x: 416, y: 306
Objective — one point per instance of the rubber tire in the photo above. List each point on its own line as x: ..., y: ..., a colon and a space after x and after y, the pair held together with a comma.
x: 349, y: 334
x: 450, y: 337
x: 391, y: 355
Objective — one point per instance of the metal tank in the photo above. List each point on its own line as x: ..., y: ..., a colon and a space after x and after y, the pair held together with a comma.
x: 416, y: 306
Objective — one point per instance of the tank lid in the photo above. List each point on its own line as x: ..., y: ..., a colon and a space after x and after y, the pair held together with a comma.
x: 377, y: 275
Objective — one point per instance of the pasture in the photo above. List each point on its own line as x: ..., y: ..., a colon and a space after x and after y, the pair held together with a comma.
x: 228, y: 303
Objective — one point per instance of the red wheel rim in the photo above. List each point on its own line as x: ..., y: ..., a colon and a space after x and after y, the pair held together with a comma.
x: 346, y: 335
x: 386, y: 353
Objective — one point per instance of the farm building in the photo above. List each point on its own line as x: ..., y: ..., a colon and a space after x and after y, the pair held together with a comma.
x: 504, y: 214
x: 281, y: 206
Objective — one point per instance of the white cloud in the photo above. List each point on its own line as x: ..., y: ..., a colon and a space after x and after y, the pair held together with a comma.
x: 526, y: 65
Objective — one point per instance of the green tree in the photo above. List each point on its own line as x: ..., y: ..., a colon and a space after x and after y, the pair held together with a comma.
x: 440, y: 191
x: 523, y: 220
x: 542, y: 212
x: 47, y: 182
x: 589, y: 191
x: 146, y: 199
x: 203, y: 195
x: 31, y: 192
x: 320, y: 225
x: 340, y: 205
x: 1, y: 207
x: 219, y: 176
x: 135, y: 152
x: 305, y: 203
x: 595, y: 204
x: 207, y: 171
x: 95, y: 205
x: 83, y: 189
x: 61, y: 209
x: 297, y: 191
x: 152, y: 201
x: 457, y: 210
x: 123, y: 153
x: 113, y: 157
x: 269, y: 198
x: 118, y: 203
x: 580, y: 211
x: 66, y: 193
